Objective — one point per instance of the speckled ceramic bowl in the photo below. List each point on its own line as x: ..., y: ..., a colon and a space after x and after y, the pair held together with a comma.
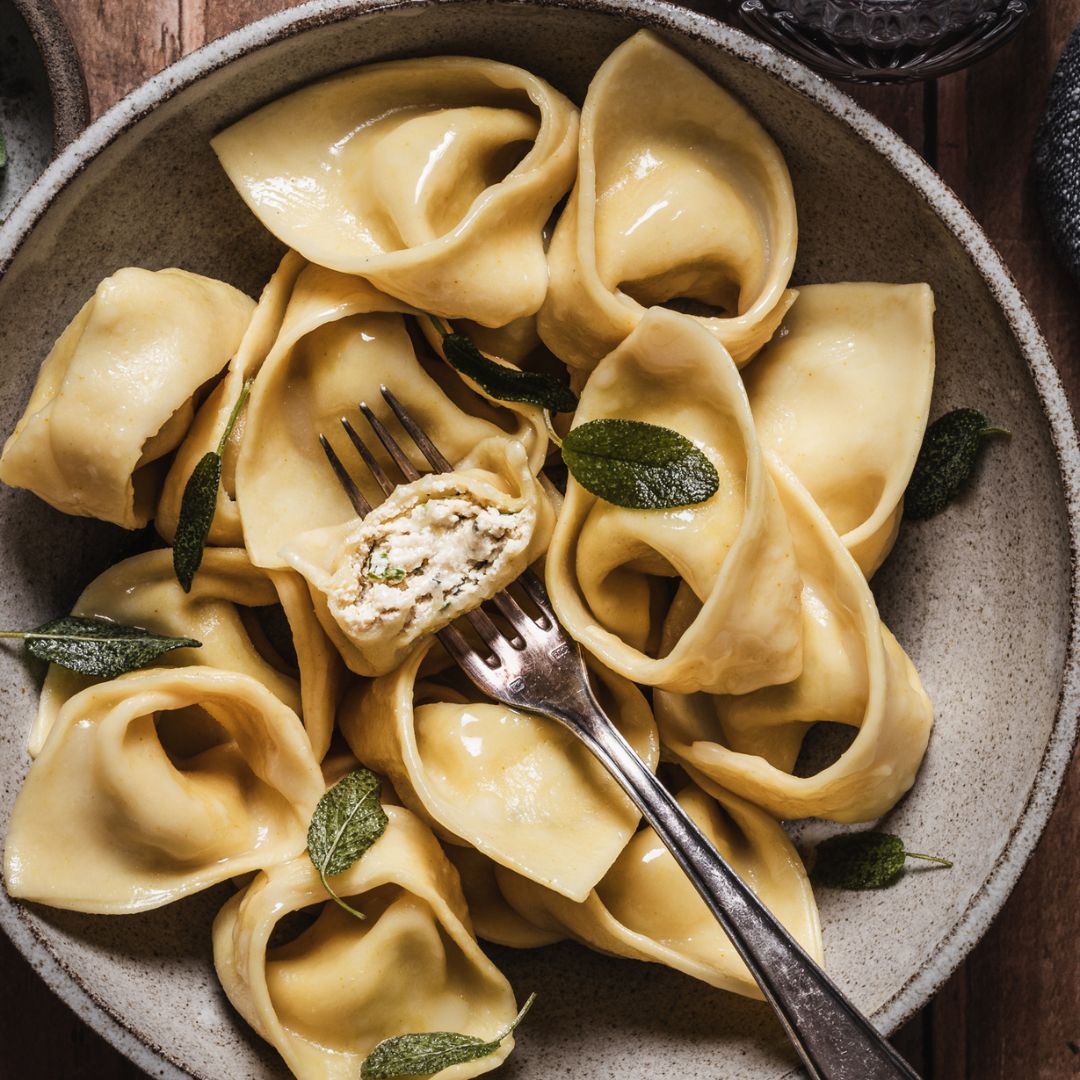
x: 981, y: 596
x: 43, y: 103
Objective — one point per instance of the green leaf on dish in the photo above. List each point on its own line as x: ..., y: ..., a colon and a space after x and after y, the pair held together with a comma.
x: 864, y: 860
x: 199, y: 502
x: 502, y: 381
x: 347, y: 821
x: 946, y: 461
x: 428, y: 1052
x: 98, y: 647
x: 638, y: 465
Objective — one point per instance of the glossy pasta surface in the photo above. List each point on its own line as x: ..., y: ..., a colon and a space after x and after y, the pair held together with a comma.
x: 638, y: 249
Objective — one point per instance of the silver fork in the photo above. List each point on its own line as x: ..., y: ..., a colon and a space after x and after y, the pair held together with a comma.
x: 539, y: 668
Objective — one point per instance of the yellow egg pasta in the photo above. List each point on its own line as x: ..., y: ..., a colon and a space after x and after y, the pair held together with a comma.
x: 211, y: 420
x: 325, y: 998
x: 377, y: 590
x: 341, y: 339
x: 682, y: 198
x: 842, y: 396
x: 646, y: 909
x: 705, y: 521
x: 119, y: 390
x: 854, y: 673
x: 517, y: 787
x: 609, y: 567
x: 432, y: 178
x: 218, y: 613
x: 156, y: 785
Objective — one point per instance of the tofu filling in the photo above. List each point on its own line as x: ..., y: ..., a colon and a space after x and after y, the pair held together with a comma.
x: 421, y: 568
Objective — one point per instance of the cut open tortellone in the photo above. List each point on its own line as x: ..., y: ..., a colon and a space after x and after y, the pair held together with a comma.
x: 610, y: 570
x: 682, y: 198
x: 437, y: 547
x: 156, y: 785
x: 325, y: 998
x: 119, y: 389
x: 432, y: 178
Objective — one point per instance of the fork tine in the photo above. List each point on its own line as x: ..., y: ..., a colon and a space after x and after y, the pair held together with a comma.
x: 360, y: 504
x: 390, y: 443
x: 492, y: 636
x: 519, y: 618
x: 430, y: 451
x: 374, y: 467
x: 536, y: 591
x: 478, y: 668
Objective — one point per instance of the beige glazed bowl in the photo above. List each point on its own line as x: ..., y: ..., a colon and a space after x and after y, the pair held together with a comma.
x: 982, y: 597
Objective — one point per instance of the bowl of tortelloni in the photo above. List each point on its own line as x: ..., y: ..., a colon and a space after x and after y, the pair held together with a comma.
x: 745, y: 287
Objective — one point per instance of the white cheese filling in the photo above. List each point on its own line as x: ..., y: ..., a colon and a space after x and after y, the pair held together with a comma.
x: 424, y: 566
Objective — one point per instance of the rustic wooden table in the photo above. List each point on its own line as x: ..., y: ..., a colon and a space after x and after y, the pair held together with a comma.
x: 1012, y: 1011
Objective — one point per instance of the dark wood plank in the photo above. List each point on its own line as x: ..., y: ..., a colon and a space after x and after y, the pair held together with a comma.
x: 903, y: 108
x: 220, y: 18
x: 1013, y: 1009
x: 122, y: 42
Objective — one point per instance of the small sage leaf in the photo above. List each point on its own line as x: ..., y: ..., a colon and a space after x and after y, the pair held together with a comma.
x: 196, y: 516
x: 98, y: 647
x: 347, y: 821
x: 947, y: 459
x: 864, y: 860
x: 424, y: 1053
x: 502, y: 382
x: 199, y: 502
x: 638, y: 465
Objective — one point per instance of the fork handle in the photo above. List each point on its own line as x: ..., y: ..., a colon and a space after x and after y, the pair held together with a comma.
x: 834, y: 1039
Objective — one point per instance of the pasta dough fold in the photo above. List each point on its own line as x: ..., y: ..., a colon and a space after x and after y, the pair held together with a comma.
x: 854, y: 673
x: 646, y: 909
x: 432, y: 178
x: 212, y: 419
x: 681, y: 198
x: 842, y: 396
x: 118, y: 392
x: 328, y: 996
x: 494, y: 919
x: 516, y: 786
x: 607, y: 565
x: 156, y: 785
x: 143, y: 591
x: 341, y: 339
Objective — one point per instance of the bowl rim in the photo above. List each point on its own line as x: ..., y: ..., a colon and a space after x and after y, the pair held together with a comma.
x: 681, y: 23
x: 67, y: 83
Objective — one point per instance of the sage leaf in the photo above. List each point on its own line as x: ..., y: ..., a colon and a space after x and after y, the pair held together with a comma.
x: 199, y: 502
x: 98, y: 647
x: 947, y: 459
x: 638, y: 465
x: 347, y: 821
x: 501, y: 381
x: 424, y: 1053
x: 864, y: 860
x: 196, y: 516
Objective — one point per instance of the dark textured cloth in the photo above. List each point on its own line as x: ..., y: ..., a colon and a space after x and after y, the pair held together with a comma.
x: 1057, y: 157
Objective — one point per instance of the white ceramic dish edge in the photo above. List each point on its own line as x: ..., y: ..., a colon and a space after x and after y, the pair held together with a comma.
x: 973, y: 922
